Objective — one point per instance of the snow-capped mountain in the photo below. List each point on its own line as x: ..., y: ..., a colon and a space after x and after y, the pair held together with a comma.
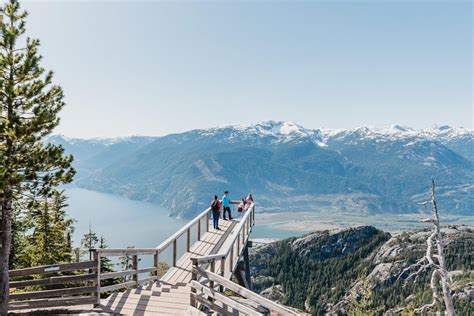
x: 275, y: 132
x: 442, y: 133
x: 459, y: 139
x: 445, y: 133
x: 287, y: 166
x: 265, y: 133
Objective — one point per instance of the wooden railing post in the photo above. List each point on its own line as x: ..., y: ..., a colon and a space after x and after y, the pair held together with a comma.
x: 231, y: 262
x: 199, y: 230
x: 213, y: 268
x: 250, y: 220
x: 193, y: 277
x: 208, y: 221
x: 221, y: 288
x: 188, y: 239
x: 253, y: 214
x: 238, y: 244
x: 96, y: 255
x: 135, y: 267
x: 175, y: 251
x: 155, y: 263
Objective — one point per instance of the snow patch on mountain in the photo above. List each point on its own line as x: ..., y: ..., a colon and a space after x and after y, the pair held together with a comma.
x: 396, y: 132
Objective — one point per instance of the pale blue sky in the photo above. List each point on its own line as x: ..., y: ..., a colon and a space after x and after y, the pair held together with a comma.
x: 159, y: 67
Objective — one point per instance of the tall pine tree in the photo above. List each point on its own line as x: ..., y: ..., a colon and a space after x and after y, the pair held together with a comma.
x: 29, y: 105
x: 49, y: 241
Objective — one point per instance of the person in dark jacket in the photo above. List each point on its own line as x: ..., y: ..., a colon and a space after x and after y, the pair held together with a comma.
x: 216, y: 210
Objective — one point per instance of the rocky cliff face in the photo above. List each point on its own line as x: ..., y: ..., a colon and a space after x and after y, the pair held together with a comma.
x: 360, y: 269
x: 387, y: 280
x: 316, y: 269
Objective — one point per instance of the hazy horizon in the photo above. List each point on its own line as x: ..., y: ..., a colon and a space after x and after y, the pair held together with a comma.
x: 155, y: 68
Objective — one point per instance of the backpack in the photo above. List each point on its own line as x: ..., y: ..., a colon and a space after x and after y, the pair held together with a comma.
x: 215, y: 205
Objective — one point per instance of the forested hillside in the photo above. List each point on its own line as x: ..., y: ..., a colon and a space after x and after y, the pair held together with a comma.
x: 358, y: 270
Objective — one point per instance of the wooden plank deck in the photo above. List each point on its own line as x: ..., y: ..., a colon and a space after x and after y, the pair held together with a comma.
x: 171, y: 295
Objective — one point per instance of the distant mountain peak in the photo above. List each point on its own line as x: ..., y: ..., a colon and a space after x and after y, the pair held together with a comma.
x: 268, y: 131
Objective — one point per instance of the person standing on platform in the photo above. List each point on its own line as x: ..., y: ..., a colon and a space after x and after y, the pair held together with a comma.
x: 226, y: 205
x: 216, y: 210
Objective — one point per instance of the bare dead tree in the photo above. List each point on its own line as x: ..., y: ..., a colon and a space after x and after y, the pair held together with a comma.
x: 434, y: 260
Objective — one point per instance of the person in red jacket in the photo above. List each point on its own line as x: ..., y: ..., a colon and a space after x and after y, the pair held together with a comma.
x: 216, y: 210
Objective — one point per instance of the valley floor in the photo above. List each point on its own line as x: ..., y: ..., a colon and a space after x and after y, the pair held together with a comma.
x: 303, y: 222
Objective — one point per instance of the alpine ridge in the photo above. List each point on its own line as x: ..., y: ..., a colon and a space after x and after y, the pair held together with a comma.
x: 287, y: 166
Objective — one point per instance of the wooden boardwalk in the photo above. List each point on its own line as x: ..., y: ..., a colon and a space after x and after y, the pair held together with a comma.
x: 171, y: 294
x: 194, y: 283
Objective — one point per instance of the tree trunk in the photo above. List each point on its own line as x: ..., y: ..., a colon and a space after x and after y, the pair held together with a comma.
x: 5, y: 254
x: 448, y: 300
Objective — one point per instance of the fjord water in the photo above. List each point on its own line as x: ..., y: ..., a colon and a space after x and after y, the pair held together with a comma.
x: 121, y: 221
x: 125, y: 222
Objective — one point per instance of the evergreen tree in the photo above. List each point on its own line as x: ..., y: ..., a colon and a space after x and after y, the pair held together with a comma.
x: 125, y: 263
x: 106, y: 265
x: 29, y: 106
x: 49, y: 241
x: 77, y: 254
x: 88, y: 242
x: 20, y: 226
x: 62, y: 226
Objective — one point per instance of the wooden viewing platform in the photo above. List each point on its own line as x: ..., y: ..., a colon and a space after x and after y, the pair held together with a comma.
x: 193, y: 285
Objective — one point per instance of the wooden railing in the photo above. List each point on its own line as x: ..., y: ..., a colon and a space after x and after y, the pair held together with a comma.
x: 186, y: 229
x: 249, y: 303
x: 208, y: 284
x: 232, y: 248
x: 53, y: 285
x: 128, y: 278
x: 131, y: 277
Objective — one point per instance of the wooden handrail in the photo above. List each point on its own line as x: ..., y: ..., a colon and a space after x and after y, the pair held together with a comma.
x: 183, y: 229
x: 186, y: 229
x: 65, y: 295
x: 242, y: 291
x: 241, y: 226
x: 229, y: 243
x: 236, y: 305
x: 135, y: 252
x: 53, y: 268
x: 115, y: 252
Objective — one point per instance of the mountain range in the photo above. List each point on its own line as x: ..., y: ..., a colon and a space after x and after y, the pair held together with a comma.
x: 286, y: 166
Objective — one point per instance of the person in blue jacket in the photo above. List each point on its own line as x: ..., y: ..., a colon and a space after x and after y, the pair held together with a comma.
x: 226, y: 205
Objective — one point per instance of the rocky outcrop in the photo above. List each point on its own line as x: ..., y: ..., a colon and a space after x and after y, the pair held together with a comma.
x: 307, y: 252
x: 400, y: 251
x: 380, y: 266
